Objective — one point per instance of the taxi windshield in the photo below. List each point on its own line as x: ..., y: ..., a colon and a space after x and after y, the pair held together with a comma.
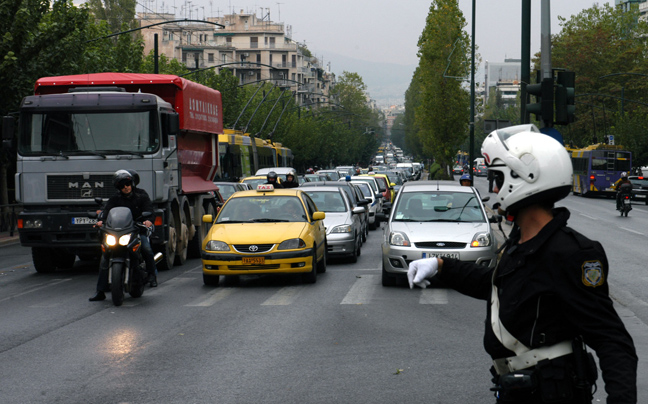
x: 262, y: 209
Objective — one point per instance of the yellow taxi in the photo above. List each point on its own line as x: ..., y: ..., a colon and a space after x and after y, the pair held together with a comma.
x: 265, y: 231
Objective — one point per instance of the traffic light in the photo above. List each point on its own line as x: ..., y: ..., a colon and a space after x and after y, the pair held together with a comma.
x: 565, y: 93
x: 543, y: 107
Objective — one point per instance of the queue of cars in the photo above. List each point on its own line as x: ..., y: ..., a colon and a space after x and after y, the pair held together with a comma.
x: 264, y: 230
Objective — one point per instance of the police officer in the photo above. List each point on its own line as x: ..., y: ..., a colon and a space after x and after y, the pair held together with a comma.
x: 138, y: 201
x: 291, y: 180
x: 548, y: 296
x: 272, y: 180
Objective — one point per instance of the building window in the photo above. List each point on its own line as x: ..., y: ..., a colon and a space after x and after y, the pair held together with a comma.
x: 228, y: 40
x: 270, y: 60
x: 258, y: 58
x: 294, y: 61
x: 272, y: 43
x: 223, y: 58
x: 254, y: 42
x: 210, y: 57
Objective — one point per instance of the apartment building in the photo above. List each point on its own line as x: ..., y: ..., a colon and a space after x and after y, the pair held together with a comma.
x: 254, y: 49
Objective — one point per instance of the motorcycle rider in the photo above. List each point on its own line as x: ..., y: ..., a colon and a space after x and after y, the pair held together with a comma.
x: 291, y: 180
x: 466, y: 180
x: 138, y: 201
x: 272, y: 180
x: 623, y: 187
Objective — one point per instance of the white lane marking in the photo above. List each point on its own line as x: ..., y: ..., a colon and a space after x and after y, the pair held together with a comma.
x: 17, y: 266
x: 38, y: 287
x: 361, y: 291
x: 212, y: 298
x: 284, y: 296
x: 433, y: 296
x: 631, y: 231
x: 589, y: 217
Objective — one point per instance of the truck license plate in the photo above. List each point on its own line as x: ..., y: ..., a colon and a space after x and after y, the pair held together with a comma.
x: 83, y: 220
x: 441, y: 255
x: 254, y: 260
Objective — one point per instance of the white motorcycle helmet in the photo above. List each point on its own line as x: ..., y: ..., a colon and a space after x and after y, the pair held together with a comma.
x: 536, y: 168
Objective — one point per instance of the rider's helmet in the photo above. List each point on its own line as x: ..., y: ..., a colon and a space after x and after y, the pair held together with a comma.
x: 121, y: 178
x: 530, y: 167
x: 624, y: 175
x: 272, y: 176
x: 292, y: 173
x: 310, y: 171
x: 136, y: 177
x: 464, y: 178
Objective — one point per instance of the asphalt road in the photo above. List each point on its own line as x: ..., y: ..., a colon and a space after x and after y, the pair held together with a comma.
x: 345, y: 339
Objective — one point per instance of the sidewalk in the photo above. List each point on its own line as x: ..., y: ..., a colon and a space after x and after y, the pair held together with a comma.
x: 7, y: 238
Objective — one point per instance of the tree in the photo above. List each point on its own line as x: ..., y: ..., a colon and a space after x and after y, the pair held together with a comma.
x: 441, y: 116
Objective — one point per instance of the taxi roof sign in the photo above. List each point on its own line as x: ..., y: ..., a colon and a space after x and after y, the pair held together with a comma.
x: 265, y: 188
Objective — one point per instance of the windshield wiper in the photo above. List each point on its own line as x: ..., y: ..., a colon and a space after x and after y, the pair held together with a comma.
x: 59, y: 154
x: 268, y: 220
x: 117, y: 151
x: 83, y: 152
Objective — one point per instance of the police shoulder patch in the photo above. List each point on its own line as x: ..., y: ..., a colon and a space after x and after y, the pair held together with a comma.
x: 592, y: 273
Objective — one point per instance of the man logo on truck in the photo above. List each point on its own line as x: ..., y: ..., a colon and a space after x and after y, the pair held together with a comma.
x: 86, y: 188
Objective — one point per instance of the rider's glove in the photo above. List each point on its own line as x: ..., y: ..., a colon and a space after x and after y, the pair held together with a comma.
x: 420, y: 270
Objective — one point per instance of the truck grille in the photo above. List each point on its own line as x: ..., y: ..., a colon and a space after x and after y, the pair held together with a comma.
x: 76, y: 187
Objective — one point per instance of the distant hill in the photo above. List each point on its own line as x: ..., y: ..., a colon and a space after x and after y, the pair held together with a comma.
x: 386, y: 82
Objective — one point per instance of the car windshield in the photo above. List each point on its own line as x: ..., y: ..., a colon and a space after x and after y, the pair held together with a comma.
x: 226, y: 190
x: 364, y: 188
x: 262, y: 209
x: 328, y: 201
x: 437, y: 206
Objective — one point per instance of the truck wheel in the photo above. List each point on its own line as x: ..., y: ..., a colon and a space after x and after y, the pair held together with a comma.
x: 195, y: 245
x: 42, y: 258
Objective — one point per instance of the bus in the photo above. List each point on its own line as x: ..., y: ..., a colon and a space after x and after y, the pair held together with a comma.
x: 236, y: 156
x: 598, y: 167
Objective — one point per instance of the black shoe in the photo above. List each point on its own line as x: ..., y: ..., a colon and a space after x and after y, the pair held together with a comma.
x: 153, y: 282
x: 98, y: 297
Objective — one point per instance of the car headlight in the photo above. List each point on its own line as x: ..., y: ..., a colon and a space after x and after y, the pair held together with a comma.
x: 345, y: 228
x: 481, y: 240
x: 399, y: 238
x: 292, y: 244
x: 215, y: 245
x: 111, y: 240
x: 125, y: 239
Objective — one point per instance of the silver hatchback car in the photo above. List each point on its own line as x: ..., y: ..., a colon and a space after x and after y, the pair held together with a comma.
x: 436, y: 219
x: 343, y: 225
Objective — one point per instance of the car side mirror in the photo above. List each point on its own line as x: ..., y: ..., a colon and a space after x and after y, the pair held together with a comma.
x: 485, y: 199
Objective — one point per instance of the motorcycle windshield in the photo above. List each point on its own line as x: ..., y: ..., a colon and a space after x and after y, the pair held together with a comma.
x: 119, y: 218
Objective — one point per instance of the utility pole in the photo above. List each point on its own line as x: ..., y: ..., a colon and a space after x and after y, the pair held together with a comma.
x: 525, y: 68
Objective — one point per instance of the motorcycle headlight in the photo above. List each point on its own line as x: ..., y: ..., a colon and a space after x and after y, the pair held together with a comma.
x: 345, y: 228
x: 111, y: 240
x: 399, y: 238
x: 292, y: 244
x: 481, y: 240
x: 124, y: 240
x: 215, y: 245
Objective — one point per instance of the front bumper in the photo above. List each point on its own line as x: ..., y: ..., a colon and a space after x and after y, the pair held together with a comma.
x: 397, y: 259
x: 284, y: 262
x: 340, y: 244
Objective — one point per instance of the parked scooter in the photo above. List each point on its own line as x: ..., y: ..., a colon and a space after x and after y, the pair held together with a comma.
x: 126, y: 266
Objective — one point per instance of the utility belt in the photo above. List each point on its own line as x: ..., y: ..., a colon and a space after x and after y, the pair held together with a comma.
x: 532, y: 357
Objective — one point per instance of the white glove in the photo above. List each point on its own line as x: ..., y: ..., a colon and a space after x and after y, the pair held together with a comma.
x: 420, y: 270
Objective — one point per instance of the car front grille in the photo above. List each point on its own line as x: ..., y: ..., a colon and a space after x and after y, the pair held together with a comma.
x: 253, y: 248
x: 252, y: 267
x: 440, y: 244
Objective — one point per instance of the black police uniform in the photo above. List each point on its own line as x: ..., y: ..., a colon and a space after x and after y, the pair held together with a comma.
x: 290, y: 184
x: 554, y: 288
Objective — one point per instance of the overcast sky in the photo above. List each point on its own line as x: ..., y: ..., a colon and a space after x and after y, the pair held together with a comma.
x: 371, y: 36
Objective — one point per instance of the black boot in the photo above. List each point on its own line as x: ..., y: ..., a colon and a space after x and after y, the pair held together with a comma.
x: 98, y: 297
x: 153, y: 281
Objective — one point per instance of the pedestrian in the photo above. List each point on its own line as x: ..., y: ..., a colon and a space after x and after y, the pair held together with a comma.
x: 548, y: 296
x: 138, y: 201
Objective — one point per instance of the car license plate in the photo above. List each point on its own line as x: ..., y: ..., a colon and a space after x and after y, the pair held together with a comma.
x: 83, y: 220
x: 254, y: 260
x: 441, y: 255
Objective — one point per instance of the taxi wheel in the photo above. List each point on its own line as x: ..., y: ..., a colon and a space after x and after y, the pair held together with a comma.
x: 311, y: 277
x: 321, y: 266
x: 211, y: 280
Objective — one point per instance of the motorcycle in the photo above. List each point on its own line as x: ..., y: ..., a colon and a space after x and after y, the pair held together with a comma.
x: 626, y: 205
x: 126, y: 266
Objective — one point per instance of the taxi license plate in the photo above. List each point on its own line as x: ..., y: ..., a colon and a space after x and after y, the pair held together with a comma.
x: 254, y: 260
x: 441, y: 255
x: 83, y: 220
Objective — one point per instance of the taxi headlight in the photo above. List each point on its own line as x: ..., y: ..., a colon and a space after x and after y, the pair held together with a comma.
x: 481, y: 240
x: 125, y: 239
x: 399, y: 238
x: 345, y: 228
x: 111, y: 240
x: 292, y: 244
x: 215, y: 245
